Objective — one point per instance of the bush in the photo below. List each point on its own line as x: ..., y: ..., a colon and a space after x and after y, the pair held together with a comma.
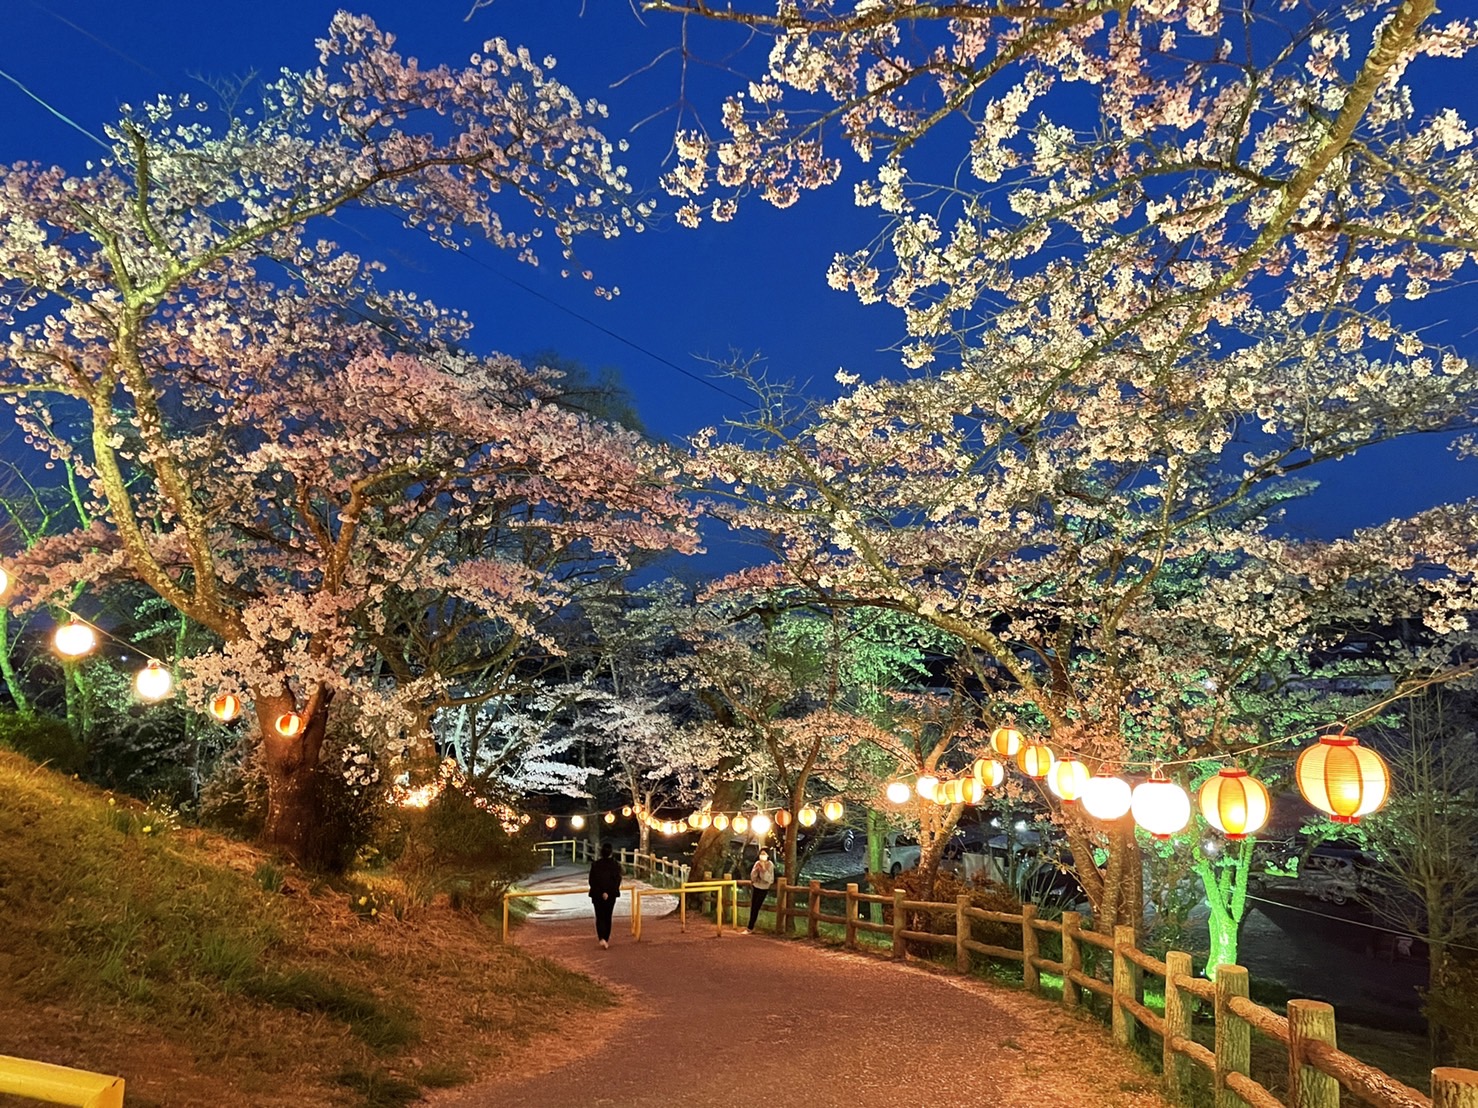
x: 233, y: 798
x: 457, y: 846
x: 1452, y: 1010
x: 984, y: 893
x: 43, y: 739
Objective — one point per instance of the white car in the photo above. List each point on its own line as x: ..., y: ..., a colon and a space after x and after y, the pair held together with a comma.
x: 900, y: 852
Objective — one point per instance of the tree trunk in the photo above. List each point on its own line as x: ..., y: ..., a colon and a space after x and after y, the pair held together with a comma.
x: 294, y: 796
x: 7, y: 669
x: 713, y: 844
x: 1226, y: 896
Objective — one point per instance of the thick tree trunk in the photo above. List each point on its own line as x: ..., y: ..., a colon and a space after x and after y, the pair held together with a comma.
x: 294, y: 794
x: 713, y: 844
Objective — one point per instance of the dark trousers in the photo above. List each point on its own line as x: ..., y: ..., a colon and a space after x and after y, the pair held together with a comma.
x: 756, y: 902
x: 603, y: 910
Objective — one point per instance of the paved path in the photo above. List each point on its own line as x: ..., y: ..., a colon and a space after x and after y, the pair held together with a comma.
x: 753, y: 1020
x: 567, y: 907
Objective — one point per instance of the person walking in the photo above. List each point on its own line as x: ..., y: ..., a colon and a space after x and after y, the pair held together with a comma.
x: 761, y: 878
x: 605, y: 890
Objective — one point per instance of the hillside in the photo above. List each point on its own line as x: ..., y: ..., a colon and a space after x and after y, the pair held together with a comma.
x: 203, y: 973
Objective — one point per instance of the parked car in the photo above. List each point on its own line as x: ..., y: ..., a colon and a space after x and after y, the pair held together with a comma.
x: 1333, y: 872
x: 901, y: 851
x: 835, y: 837
x: 1036, y: 871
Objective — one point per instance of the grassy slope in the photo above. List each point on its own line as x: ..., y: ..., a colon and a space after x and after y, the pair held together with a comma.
x: 163, y: 959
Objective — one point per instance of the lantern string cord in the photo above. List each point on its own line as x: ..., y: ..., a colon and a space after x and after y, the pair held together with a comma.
x: 105, y: 633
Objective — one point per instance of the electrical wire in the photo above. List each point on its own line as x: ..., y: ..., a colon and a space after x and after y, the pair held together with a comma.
x: 1354, y: 922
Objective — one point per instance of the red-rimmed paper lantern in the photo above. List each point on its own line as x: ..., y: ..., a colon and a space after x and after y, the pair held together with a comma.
x: 153, y: 682
x: 1106, y: 796
x: 289, y: 724
x: 1160, y: 806
x: 989, y: 772
x: 1235, y: 803
x: 807, y: 816
x: 1006, y: 741
x: 832, y: 809
x: 1341, y: 778
x: 1067, y: 780
x: 1035, y: 760
x: 783, y: 818
x: 226, y: 707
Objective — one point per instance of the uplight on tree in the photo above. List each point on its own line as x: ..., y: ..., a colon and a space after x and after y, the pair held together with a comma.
x: 153, y: 682
x: 74, y: 638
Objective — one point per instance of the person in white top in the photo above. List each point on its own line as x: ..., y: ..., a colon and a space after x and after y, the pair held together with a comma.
x: 761, y: 878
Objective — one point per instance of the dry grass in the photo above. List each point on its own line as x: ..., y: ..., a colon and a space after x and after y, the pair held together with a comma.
x: 165, y: 958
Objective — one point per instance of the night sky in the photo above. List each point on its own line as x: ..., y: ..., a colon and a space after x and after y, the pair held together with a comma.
x: 752, y: 286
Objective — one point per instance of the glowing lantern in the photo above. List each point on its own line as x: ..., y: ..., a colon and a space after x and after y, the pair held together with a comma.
x: 1035, y: 760
x: 1234, y: 803
x: 289, y: 724
x: 1341, y: 778
x: 988, y: 772
x: 153, y: 682
x: 225, y: 707
x: 682, y: 827
x: 704, y: 821
x: 1067, y: 779
x: 783, y: 817
x: 4, y: 581
x: 974, y: 791
x: 721, y: 822
x: 1106, y: 797
x: 807, y: 816
x: 899, y: 792
x: 74, y: 639
x: 551, y: 823
x: 760, y: 824
x: 1161, y: 807
x: 1005, y: 741
x: 740, y: 825
x: 927, y: 786
x: 577, y: 821
x: 626, y: 810
x: 610, y: 817
x: 832, y: 809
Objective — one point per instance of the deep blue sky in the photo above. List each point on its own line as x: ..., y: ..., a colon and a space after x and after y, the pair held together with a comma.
x: 755, y: 285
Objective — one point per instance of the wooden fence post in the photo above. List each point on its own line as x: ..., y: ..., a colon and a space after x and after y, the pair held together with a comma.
x: 851, y: 914
x: 962, y: 933
x: 813, y: 909
x: 780, y: 914
x: 1072, y: 957
x: 1454, y: 1088
x: 1233, y: 1035
x: 1175, y: 1067
x: 1310, y: 1020
x: 899, y: 952
x: 1126, y: 984
x: 1030, y: 945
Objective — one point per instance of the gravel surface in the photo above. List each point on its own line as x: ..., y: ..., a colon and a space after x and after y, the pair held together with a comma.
x: 747, y: 1019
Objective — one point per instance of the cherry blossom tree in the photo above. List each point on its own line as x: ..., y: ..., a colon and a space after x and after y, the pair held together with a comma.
x: 284, y: 469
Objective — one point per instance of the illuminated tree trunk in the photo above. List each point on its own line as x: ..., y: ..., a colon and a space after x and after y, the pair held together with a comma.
x: 294, y: 789
x: 713, y: 843
x: 1225, y: 883
x: 7, y: 669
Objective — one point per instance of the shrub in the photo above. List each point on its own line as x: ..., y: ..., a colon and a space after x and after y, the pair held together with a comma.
x: 984, y: 893
x: 43, y: 739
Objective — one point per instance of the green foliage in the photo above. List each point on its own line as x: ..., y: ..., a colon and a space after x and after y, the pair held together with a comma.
x: 43, y: 739
x: 373, y: 1023
x: 233, y: 797
x: 270, y: 877
x: 1452, y: 1008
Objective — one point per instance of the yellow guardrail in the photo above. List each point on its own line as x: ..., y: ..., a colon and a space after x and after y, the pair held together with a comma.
x: 513, y: 894
x: 716, y: 885
x: 59, y: 1084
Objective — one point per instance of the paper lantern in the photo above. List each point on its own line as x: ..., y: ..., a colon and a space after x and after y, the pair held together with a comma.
x: 899, y: 792
x: 832, y: 809
x: 1067, y: 779
x: 721, y: 822
x: 153, y: 682
x: 1106, y: 797
x: 1341, y: 778
x: 289, y: 724
x: 577, y: 821
x: 1035, y: 760
x: 225, y: 707
x: 610, y: 817
x: 974, y: 791
x: 626, y: 810
x: 682, y: 827
x: 989, y: 772
x: 740, y: 824
x: 551, y: 823
x: 4, y: 581
x: 1005, y: 741
x: 927, y: 786
x: 783, y: 817
x: 74, y: 639
x: 760, y: 825
x: 807, y: 816
x: 1234, y: 803
x: 704, y: 821
x: 1161, y: 807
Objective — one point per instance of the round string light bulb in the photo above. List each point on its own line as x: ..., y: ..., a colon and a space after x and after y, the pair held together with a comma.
x: 740, y: 824
x: 1106, y: 797
x: 626, y: 810
x: 832, y: 809
x: 1341, y: 778
x: 610, y: 817
x: 577, y: 821
x: 225, y: 707
x: 551, y: 823
x: 807, y: 816
x: 1235, y: 803
x: 1161, y: 807
x: 74, y: 639
x: 289, y: 724
x: 1067, y: 780
x: 153, y: 682
x: 1035, y: 760
x: 721, y: 822
x: 899, y: 792
x: 989, y: 772
x: 1006, y: 741
x: 760, y: 825
x: 927, y: 786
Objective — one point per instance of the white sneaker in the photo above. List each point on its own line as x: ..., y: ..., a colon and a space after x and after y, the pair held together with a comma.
x: 745, y: 931
x: 604, y: 945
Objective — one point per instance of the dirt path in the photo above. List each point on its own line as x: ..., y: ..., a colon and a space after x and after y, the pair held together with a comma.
x: 749, y: 1019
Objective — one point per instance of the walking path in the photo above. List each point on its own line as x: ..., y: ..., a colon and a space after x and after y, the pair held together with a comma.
x: 750, y: 1019
x: 554, y: 908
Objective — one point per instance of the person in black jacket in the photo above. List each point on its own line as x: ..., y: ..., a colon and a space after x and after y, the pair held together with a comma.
x: 605, y: 889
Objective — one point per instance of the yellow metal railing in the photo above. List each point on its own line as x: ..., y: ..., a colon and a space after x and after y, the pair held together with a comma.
x: 59, y: 1084
x: 514, y: 894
